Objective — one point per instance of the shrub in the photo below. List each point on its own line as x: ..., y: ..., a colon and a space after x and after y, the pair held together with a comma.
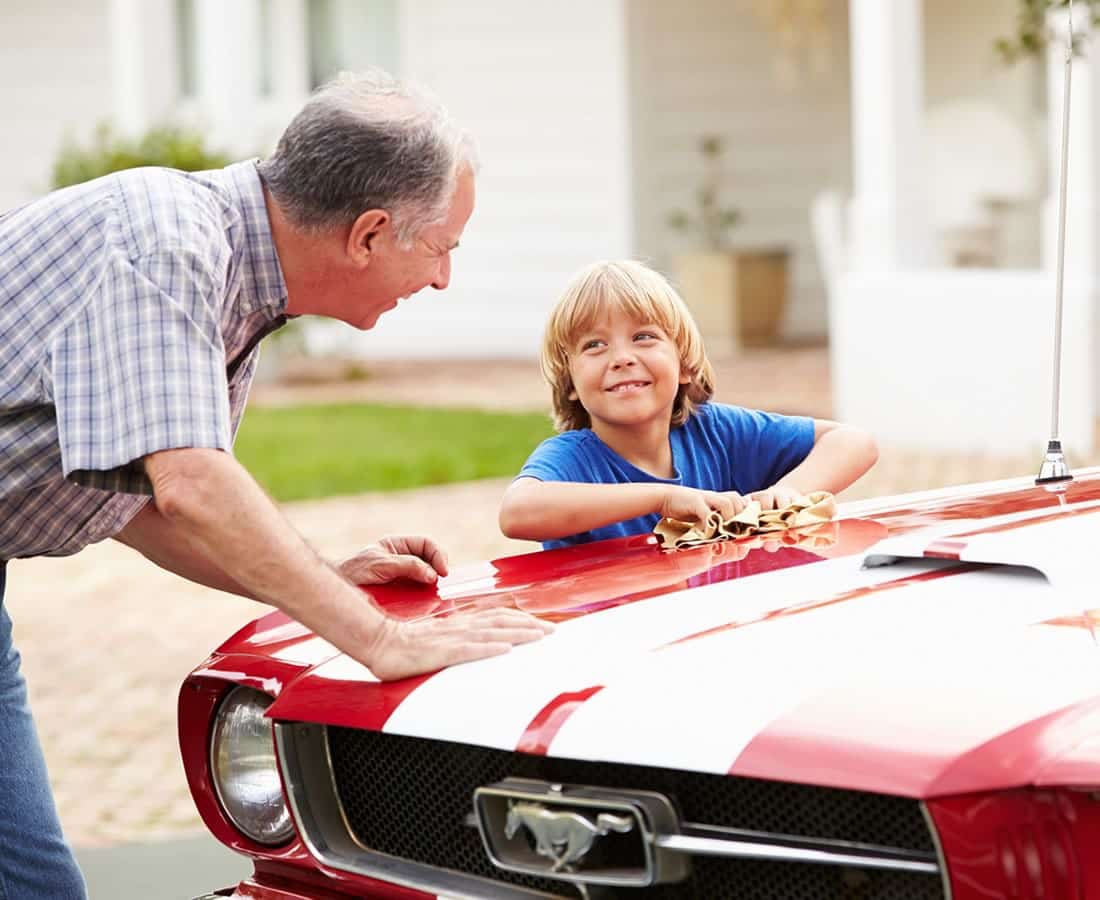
x: 169, y: 145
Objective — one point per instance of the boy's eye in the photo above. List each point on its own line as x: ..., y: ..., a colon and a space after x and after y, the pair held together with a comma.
x: 645, y: 336
x: 591, y: 344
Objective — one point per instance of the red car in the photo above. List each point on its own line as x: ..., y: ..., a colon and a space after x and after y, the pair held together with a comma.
x: 903, y: 704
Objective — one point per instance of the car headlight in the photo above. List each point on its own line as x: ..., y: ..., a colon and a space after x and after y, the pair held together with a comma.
x: 243, y: 767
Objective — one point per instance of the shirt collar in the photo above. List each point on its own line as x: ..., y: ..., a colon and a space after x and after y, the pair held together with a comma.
x: 263, y: 286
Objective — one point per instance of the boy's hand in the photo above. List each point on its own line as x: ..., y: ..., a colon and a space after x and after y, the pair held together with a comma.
x: 693, y: 505
x: 776, y: 497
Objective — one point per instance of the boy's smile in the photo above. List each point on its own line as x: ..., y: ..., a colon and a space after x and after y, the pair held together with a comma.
x: 624, y: 386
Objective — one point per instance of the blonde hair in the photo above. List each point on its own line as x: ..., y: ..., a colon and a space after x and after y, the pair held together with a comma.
x: 638, y: 291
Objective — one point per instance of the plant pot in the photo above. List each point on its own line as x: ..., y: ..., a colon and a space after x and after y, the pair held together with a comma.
x: 737, y: 296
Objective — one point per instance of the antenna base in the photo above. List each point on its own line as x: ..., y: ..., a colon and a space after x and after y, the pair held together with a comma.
x: 1054, y: 466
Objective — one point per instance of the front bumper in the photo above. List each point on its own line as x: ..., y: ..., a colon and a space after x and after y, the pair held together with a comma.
x: 262, y: 888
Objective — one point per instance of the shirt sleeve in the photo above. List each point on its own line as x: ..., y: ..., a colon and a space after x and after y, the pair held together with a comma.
x: 141, y: 368
x: 555, y: 459
x: 763, y: 446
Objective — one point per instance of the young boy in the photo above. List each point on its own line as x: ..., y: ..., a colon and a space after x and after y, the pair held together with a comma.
x: 640, y: 438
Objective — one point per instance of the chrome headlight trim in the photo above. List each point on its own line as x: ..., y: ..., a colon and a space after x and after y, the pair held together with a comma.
x: 941, y: 859
x: 244, y: 769
x: 307, y: 771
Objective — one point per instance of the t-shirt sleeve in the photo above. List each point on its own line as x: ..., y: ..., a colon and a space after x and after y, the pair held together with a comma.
x: 763, y: 446
x: 141, y: 368
x: 555, y: 459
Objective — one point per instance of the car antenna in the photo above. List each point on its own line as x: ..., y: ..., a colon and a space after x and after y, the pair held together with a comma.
x: 1054, y: 468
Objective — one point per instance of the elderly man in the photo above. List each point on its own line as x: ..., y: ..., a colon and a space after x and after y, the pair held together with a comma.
x: 130, y: 311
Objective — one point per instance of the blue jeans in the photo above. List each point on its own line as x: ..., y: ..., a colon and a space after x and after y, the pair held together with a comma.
x: 35, y: 861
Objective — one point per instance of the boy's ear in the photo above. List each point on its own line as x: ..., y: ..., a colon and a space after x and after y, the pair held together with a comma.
x: 571, y: 391
x: 685, y: 375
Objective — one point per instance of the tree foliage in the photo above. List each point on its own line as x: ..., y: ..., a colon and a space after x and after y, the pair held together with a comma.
x: 1032, y: 35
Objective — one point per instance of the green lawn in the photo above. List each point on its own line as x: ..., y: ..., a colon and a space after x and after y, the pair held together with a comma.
x: 308, y: 452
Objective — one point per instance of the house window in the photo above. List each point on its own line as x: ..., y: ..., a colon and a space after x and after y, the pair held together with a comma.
x: 351, y: 34
x: 186, y: 48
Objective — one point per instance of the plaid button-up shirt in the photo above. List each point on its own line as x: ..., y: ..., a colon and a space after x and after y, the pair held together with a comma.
x: 130, y: 307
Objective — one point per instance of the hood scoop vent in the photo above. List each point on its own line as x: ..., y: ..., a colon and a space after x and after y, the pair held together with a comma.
x: 1058, y: 542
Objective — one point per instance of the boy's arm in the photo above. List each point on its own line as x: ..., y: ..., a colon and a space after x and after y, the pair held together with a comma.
x: 840, y: 455
x: 534, y: 510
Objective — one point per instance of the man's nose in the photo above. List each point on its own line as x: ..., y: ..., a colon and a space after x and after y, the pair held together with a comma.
x: 443, y: 276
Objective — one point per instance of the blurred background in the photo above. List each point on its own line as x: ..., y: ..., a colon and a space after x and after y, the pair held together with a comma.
x: 855, y: 197
x: 874, y: 177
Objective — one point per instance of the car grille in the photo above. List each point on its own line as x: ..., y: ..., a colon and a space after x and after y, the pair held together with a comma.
x: 412, y: 797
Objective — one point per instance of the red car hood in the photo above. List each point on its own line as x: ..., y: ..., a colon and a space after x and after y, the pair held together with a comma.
x: 933, y: 675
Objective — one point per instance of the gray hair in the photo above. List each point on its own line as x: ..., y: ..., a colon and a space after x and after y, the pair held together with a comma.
x: 368, y: 141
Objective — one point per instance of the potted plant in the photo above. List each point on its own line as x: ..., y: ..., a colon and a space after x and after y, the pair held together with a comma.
x: 737, y: 294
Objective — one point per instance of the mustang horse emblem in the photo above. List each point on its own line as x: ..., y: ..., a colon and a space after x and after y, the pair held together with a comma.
x: 564, y: 837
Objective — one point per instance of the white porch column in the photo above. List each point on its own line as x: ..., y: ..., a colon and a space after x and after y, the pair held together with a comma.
x: 142, y: 64
x: 129, y: 104
x: 889, y: 220
x: 290, y: 59
x: 228, y: 71
x: 1082, y: 221
x: 1081, y: 373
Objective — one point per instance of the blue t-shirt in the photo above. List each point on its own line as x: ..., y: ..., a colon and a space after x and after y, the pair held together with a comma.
x: 720, y: 448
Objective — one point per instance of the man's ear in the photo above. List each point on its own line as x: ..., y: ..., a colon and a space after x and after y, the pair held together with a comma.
x: 363, y: 237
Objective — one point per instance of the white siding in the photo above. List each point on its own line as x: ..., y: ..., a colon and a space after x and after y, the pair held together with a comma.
x: 708, y: 67
x: 55, y: 79
x: 542, y: 89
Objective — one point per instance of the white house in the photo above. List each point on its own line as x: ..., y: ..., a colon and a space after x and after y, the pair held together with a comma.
x: 926, y: 162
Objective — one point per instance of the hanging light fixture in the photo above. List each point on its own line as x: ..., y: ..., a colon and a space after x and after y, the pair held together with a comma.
x: 801, y: 31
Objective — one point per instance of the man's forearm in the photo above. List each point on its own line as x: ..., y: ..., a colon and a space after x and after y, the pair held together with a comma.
x: 174, y: 547
x: 546, y: 511
x: 228, y: 522
x: 213, y: 523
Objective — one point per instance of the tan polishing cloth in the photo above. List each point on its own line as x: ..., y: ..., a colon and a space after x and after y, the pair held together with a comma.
x: 811, y: 509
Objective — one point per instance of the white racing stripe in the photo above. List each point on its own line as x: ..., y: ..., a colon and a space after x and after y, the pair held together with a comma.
x: 697, y: 705
x: 493, y: 701
x: 941, y: 697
